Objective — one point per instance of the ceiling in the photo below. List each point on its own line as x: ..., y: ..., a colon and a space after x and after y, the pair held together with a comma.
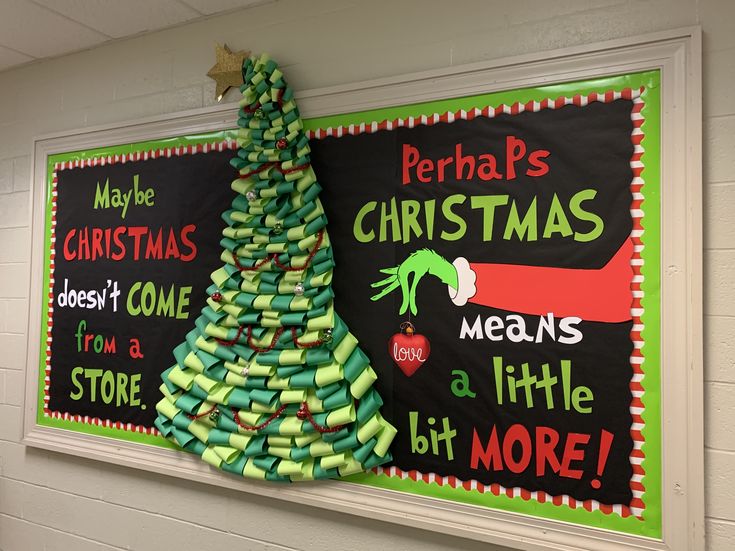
x: 36, y: 29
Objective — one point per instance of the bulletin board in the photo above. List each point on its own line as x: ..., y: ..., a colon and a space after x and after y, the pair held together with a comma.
x: 529, y: 203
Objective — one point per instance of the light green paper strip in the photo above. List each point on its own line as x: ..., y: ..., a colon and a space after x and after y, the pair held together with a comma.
x: 211, y: 457
x: 182, y: 379
x: 363, y: 382
x: 167, y: 409
x: 384, y: 439
x: 333, y: 461
x: 326, y: 375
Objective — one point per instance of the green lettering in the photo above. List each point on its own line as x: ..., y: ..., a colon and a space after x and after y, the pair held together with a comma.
x: 556, y: 221
x: 566, y: 381
x: 92, y: 375
x: 181, y: 312
x: 150, y: 193
x: 133, y: 310
x: 122, y: 389
x: 579, y: 395
x: 116, y: 200
x: 461, y: 385
x: 449, y: 202
x: 488, y: 203
x: 419, y: 443
x: 75, y: 373
x: 148, y: 298
x: 575, y: 205
x: 166, y: 303
x: 135, y: 389
x: 498, y: 370
x: 409, y: 218
x: 107, y: 387
x: 429, y: 209
x: 102, y: 198
x: 357, y: 230
x: 523, y: 228
x: 392, y: 217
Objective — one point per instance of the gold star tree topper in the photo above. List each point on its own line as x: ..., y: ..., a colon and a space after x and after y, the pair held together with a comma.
x: 227, y: 72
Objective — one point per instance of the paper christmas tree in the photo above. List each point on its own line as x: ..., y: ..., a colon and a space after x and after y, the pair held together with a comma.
x: 270, y: 383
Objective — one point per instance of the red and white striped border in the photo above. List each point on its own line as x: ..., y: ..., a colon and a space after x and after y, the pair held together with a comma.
x: 487, y: 112
x: 637, y: 505
x: 103, y: 160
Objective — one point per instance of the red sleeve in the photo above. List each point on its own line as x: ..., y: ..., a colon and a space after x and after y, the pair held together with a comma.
x: 593, y: 295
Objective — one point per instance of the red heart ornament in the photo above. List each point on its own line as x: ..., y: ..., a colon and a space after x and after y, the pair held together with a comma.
x: 409, y: 352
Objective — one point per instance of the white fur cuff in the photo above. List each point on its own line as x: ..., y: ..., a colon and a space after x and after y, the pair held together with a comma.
x: 466, y: 279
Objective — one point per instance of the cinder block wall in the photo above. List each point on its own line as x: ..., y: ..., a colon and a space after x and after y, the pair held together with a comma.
x: 60, y: 503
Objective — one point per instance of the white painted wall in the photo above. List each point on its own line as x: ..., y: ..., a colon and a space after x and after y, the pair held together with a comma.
x: 60, y: 503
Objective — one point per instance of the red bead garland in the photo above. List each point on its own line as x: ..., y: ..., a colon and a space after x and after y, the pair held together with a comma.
x: 271, y: 346
x: 274, y: 257
x: 253, y: 268
x: 274, y: 340
x: 233, y: 341
x: 319, y: 428
x: 285, y: 268
x: 261, y: 425
x: 303, y: 413
x: 311, y: 344
x: 200, y: 415
x: 278, y: 166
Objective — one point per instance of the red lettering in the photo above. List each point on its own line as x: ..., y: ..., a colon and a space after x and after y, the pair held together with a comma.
x: 441, y: 165
x: 515, y: 450
x: 540, y: 167
x: 462, y: 162
x: 424, y: 166
x: 172, y: 247
x: 69, y: 255
x: 83, y: 244
x: 571, y: 453
x: 546, y: 441
x: 96, y: 243
x: 154, y: 248
x: 488, y: 170
x: 185, y: 231
x: 136, y: 232
x: 515, y: 150
x: 517, y: 434
x: 110, y: 347
x: 489, y: 455
x: 410, y: 158
x: 108, y: 233
x: 118, y: 243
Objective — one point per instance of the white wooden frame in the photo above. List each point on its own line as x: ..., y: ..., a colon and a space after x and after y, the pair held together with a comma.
x: 677, y: 54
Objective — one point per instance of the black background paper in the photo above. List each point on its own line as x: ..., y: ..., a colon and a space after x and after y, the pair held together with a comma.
x: 590, y: 147
x: 189, y: 189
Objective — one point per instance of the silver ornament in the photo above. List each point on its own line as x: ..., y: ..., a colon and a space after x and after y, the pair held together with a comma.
x: 214, y: 415
x: 251, y: 195
x: 245, y: 371
x: 278, y: 229
x: 327, y: 335
x: 299, y: 289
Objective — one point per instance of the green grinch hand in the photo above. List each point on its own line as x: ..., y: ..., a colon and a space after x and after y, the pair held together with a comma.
x: 419, y: 263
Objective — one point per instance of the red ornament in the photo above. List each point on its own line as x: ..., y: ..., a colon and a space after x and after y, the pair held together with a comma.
x: 282, y: 144
x: 302, y: 413
x: 216, y: 296
x: 408, y: 349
